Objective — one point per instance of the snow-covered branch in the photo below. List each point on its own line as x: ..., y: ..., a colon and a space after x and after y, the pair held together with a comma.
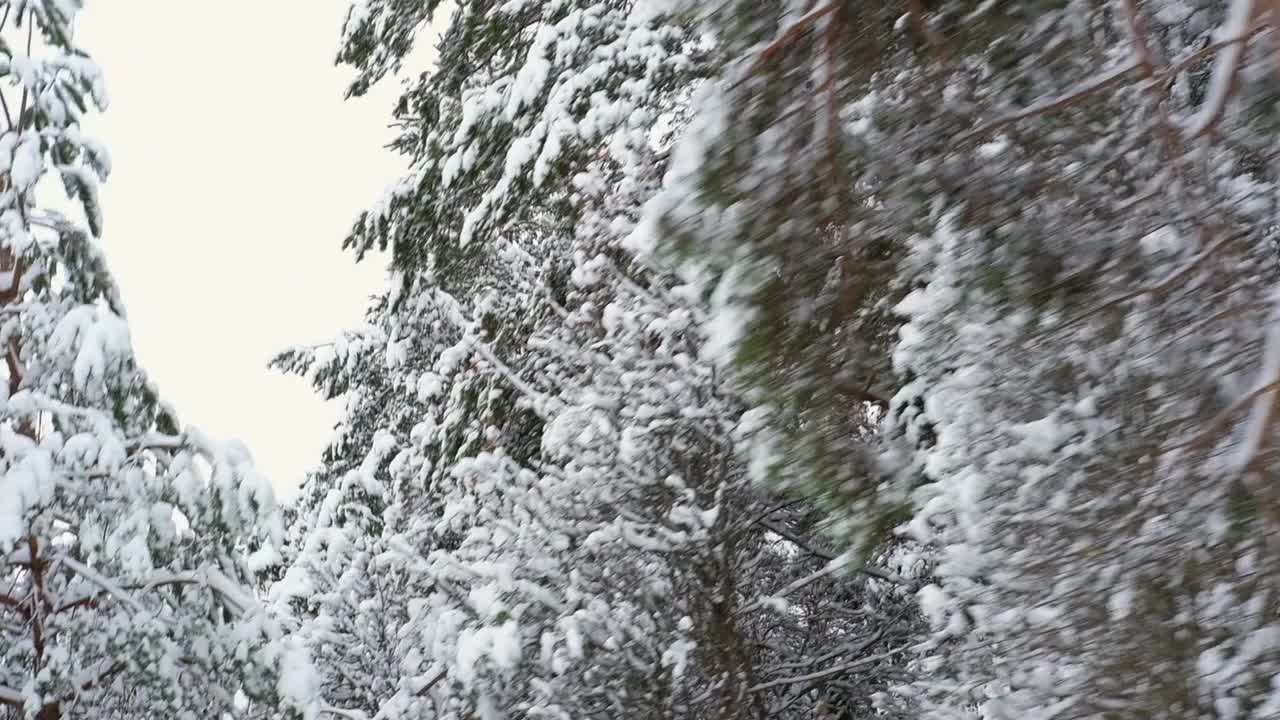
x: 11, y: 697
x: 1226, y: 67
x: 108, y: 586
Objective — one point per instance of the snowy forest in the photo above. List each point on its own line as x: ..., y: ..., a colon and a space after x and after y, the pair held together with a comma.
x: 738, y: 359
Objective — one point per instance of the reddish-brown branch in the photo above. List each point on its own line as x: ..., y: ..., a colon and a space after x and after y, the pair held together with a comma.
x: 916, y: 15
x: 833, y: 45
x: 15, y: 369
x: 11, y: 698
x: 862, y: 395
x: 16, y: 605
x: 9, y: 263
x: 37, y: 621
x: 1162, y: 285
x: 1116, y: 77
x: 89, y: 601
x: 1138, y: 37
x: 95, y: 681
x: 792, y: 32
x: 1181, y: 65
x: 17, y: 267
x: 1209, y: 433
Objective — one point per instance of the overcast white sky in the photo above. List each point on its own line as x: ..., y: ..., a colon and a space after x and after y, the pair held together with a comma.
x: 238, y: 168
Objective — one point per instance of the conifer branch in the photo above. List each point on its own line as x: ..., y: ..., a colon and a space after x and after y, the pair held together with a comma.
x: 1162, y: 285
x: 1109, y: 79
x: 1215, y: 425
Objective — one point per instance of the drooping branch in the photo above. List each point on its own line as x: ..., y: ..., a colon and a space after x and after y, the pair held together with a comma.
x: 107, y: 585
x: 797, y: 540
x: 1220, y: 420
x: 1181, y: 65
x: 825, y: 571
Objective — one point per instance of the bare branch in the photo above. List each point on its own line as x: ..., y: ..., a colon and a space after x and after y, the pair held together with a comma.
x: 1182, y: 64
x: 828, y: 569
x: 14, y: 604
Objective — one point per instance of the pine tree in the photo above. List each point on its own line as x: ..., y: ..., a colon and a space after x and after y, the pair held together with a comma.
x: 1083, y: 209
x: 348, y: 605
x: 570, y: 526
x: 127, y: 545
x: 774, y: 205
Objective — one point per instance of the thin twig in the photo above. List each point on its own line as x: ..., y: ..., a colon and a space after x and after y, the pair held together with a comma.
x: 1117, y: 76
x: 829, y: 671
x: 1159, y: 286
x: 1203, y: 437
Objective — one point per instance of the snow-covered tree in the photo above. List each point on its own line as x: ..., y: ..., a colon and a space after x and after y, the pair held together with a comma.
x: 127, y: 545
x: 351, y: 604
x: 1081, y: 196
x: 770, y: 202
x: 569, y: 522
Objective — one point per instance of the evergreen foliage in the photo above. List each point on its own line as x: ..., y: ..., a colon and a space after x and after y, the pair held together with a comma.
x: 128, y: 546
